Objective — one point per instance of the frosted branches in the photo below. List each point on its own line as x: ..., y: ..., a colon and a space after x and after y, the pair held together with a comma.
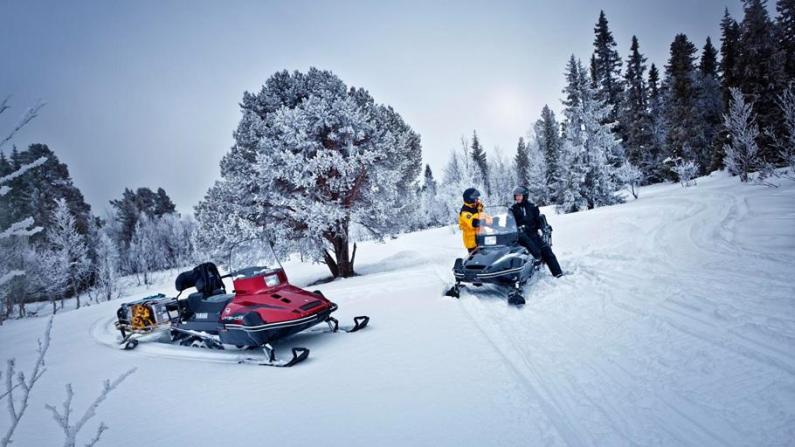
x: 25, y: 384
x: 29, y: 115
x: 63, y: 417
x: 742, y: 155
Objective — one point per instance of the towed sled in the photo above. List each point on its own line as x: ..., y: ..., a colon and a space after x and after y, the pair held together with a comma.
x: 499, y: 259
x: 263, y: 308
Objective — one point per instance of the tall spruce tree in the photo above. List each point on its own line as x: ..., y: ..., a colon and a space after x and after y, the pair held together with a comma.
x: 479, y: 158
x: 681, y: 113
x: 710, y: 108
x: 586, y: 177
x: 635, y: 117
x: 785, y: 35
x: 651, y: 162
x: 428, y: 184
x: 729, y: 54
x: 606, y: 70
x: 521, y: 163
x: 549, y: 142
x: 761, y: 75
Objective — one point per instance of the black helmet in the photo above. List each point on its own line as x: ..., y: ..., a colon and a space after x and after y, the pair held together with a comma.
x: 520, y: 190
x: 471, y: 194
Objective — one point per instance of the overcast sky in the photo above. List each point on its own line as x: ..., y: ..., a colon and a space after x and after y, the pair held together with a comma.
x: 146, y: 93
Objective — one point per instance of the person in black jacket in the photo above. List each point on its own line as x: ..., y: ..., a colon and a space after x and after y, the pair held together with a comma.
x: 527, y: 217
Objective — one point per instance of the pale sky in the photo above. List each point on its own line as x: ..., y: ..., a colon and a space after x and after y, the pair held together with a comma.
x: 146, y: 93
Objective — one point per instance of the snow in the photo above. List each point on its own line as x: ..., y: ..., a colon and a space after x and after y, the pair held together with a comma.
x: 674, y: 326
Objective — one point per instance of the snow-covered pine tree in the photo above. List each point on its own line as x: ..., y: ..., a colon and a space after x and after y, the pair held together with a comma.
x: 607, y: 71
x: 710, y: 108
x: 742, y: 155
x: 432, y: 212
x: 761, y: 77
x: 635, y: 118
x: 548, y: 140
x: 313, y: 162
x: 70, y: 249
x: 107, y: 268
x: 651, y: 163
x: 681, y: 111
x: 539, y: 191
x: 481, y: 164
x: 144, y: 253
x: 521, y: 163
x: 502, y: 174
x: 729, y: 55
x: 587, y: 177
x: 786, y: 144
x: 785, y: 35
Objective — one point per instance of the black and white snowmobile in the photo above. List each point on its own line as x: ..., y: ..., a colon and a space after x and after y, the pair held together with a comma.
x: 499, y: 259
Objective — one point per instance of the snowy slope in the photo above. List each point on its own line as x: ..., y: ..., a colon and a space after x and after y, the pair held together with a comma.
x: 676, y: 326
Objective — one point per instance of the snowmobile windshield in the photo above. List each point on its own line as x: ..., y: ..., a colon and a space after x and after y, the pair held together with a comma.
x: 251, y: 257
x: 497, y: 227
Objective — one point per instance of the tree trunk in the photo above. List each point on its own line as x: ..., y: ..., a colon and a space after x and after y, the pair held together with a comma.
x: 77, y: 297
x: 341, y: 264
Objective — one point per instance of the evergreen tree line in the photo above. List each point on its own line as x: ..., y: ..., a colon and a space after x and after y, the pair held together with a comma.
x: 626, y: 124
x: 69, y: 251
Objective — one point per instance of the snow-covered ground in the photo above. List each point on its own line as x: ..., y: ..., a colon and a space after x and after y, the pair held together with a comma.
x: 676, y: 326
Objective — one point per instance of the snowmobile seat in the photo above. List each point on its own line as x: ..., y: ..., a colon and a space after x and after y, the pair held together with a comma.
x: 197, y: 302
x: 204, y: 277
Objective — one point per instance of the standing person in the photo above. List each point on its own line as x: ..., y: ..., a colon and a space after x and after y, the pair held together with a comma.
x: 471, y: 217
x: 527, y: 217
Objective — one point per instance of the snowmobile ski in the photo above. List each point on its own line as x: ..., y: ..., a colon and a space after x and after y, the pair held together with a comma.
x: 299, y: 355
x: 359, y: 323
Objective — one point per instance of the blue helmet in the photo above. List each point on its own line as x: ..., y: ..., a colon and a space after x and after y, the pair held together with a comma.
x: 471, y: 194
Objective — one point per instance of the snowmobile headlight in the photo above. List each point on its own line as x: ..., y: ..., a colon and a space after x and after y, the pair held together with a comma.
x: 490, y: 240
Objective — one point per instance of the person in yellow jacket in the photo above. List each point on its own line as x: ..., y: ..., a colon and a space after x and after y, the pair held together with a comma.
x: 471, y: 217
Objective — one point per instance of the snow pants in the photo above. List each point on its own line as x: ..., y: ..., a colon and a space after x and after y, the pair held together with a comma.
x: 536, y: 246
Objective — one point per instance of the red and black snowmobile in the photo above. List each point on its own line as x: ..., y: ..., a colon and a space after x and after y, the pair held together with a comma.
x: 264, y: 307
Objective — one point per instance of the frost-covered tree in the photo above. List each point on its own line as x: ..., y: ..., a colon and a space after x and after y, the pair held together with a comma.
x: 630, y: 176
x: 651, y: 162
x: 742, y: 155
x: 587, y: 177
x: 503, y: 179
x: 521, y: 163
x: 69, y: 249
x: 539, y: 190
x: 129, y: 207
x: 314, y: 162
x: 635, y: 118
x: 710, y: 108
x: 681, y: 112
x: 144, y: 254
x: 432, y: 211
x: 481, y: 164
x: 686, y: 170
x: 729, y: 54
x: 786, y: 144
x: 547, y: 132
x: 107, y: 268
x: 607, y: 70
x: 785, y: 35
x: 761, y: 76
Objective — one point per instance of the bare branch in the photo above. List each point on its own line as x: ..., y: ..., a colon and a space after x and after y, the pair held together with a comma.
x: 101, y: 429
x: 29, y: 115
x: 26, y: 385
x: 71, y: 431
